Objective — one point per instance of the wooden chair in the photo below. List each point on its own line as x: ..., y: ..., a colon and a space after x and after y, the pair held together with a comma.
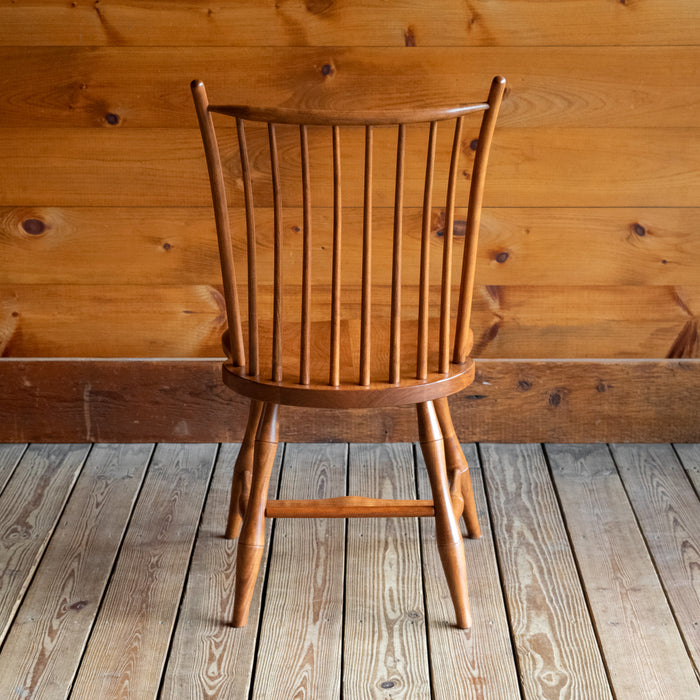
x: 431, y: 372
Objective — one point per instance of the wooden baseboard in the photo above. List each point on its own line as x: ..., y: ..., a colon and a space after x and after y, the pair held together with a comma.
x: 76, y: 400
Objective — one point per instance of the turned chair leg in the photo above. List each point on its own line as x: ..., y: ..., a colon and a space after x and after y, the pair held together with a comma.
x: 458, y: 469
x: 449, y: 538
x: 252, y: 539
x: 243, y: 473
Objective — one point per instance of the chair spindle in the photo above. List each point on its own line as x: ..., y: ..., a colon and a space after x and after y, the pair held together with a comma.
x: 365, y: 322
x: 253, y: 353
x: 462, y: 346
x: 423, y: 302
x: 304, y: 355
x: 446, y: 288
x: 223, y: 226
x: 395, y: 339
x: 334, y: 379
x: 277, y: 264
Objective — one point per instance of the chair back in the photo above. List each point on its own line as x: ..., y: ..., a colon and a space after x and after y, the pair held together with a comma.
x: 290, y: 170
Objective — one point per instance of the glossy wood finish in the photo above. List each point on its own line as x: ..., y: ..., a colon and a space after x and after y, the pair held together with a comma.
x: 349, y: 507
x: 243, y: 472
x: 367, y: 389
x: 449, y: 539
x: 252, y: 538
x: 458, y: 471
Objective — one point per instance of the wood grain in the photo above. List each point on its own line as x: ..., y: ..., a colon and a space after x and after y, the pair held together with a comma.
x: 553, y: 636
x: 690, y: 457
x: 551, y: 86
x: 668, y: 513
x: 478, y: 664
x: 408, y: 23
x: 209, y: 658
x: 9, y: 459
x: 517, y: 246
x: 529, y: 166
x: 160, y: 400
x: 129, y: 643
x: 522, y: 321
x: 30, y: 507
x: 302, y: 624
x: 58, y: 611
x: 643, y: 651
x: 383, y: 595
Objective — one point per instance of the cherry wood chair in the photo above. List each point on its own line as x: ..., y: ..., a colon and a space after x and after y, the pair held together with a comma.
x: 283, y: 366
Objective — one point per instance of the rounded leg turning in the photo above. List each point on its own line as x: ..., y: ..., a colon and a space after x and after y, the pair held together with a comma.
x: 458, y: 469
x: 243, y: 473
x: 251, y: 542
x: 449, y: 538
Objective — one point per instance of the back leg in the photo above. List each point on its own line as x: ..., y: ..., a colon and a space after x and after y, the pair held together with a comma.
x: 242, y: 473
x: 458, y: 470
x: 449, y: 538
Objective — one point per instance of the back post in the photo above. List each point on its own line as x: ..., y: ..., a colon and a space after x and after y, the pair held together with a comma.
x: 463, y: 342
x: 223, y: 227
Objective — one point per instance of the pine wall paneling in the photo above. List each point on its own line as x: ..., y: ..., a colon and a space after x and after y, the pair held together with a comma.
x: 590, y: 236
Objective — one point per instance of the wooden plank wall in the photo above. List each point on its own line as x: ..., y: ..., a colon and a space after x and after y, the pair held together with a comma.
x: 590, y: 244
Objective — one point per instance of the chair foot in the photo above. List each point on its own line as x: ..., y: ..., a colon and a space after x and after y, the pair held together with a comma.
x: 458, y: 469
x: 247, y: 566
x: 242, y: 473
x: 449, y: 538
x: 252, y: 538
x: 455, y: 567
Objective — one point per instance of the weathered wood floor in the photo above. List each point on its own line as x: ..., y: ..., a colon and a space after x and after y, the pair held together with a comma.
x: 116, y: 583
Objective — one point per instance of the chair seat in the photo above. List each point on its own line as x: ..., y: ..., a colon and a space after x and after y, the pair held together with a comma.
x: 379, y: 394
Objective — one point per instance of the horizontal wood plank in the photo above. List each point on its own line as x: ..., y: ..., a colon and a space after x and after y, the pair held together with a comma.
x: 151, y: 400
x: 528, y: 321
x: 517, y: 245
x: 406, y: 23
x: 549, y: 86
x: 60, y: 607
x: 567, y: 167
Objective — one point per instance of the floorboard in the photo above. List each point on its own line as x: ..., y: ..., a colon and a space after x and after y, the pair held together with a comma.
x: 209, y: 658
x: 556, y: 647
x: 30, y: 507
x: 10, y: 455
x: 643, y: 650
x: 131, y: 637
x: 386, y: 652
x: 480, y: 663
x: 116, y: 582
x: 668, y: 512
x: 58, y: 612
x: 302, y: 628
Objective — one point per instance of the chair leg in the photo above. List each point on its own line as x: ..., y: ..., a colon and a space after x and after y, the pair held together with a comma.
x: 242, y: 473
x: 449, y: 538
x: 458, y: 469
x: 252, y: 539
